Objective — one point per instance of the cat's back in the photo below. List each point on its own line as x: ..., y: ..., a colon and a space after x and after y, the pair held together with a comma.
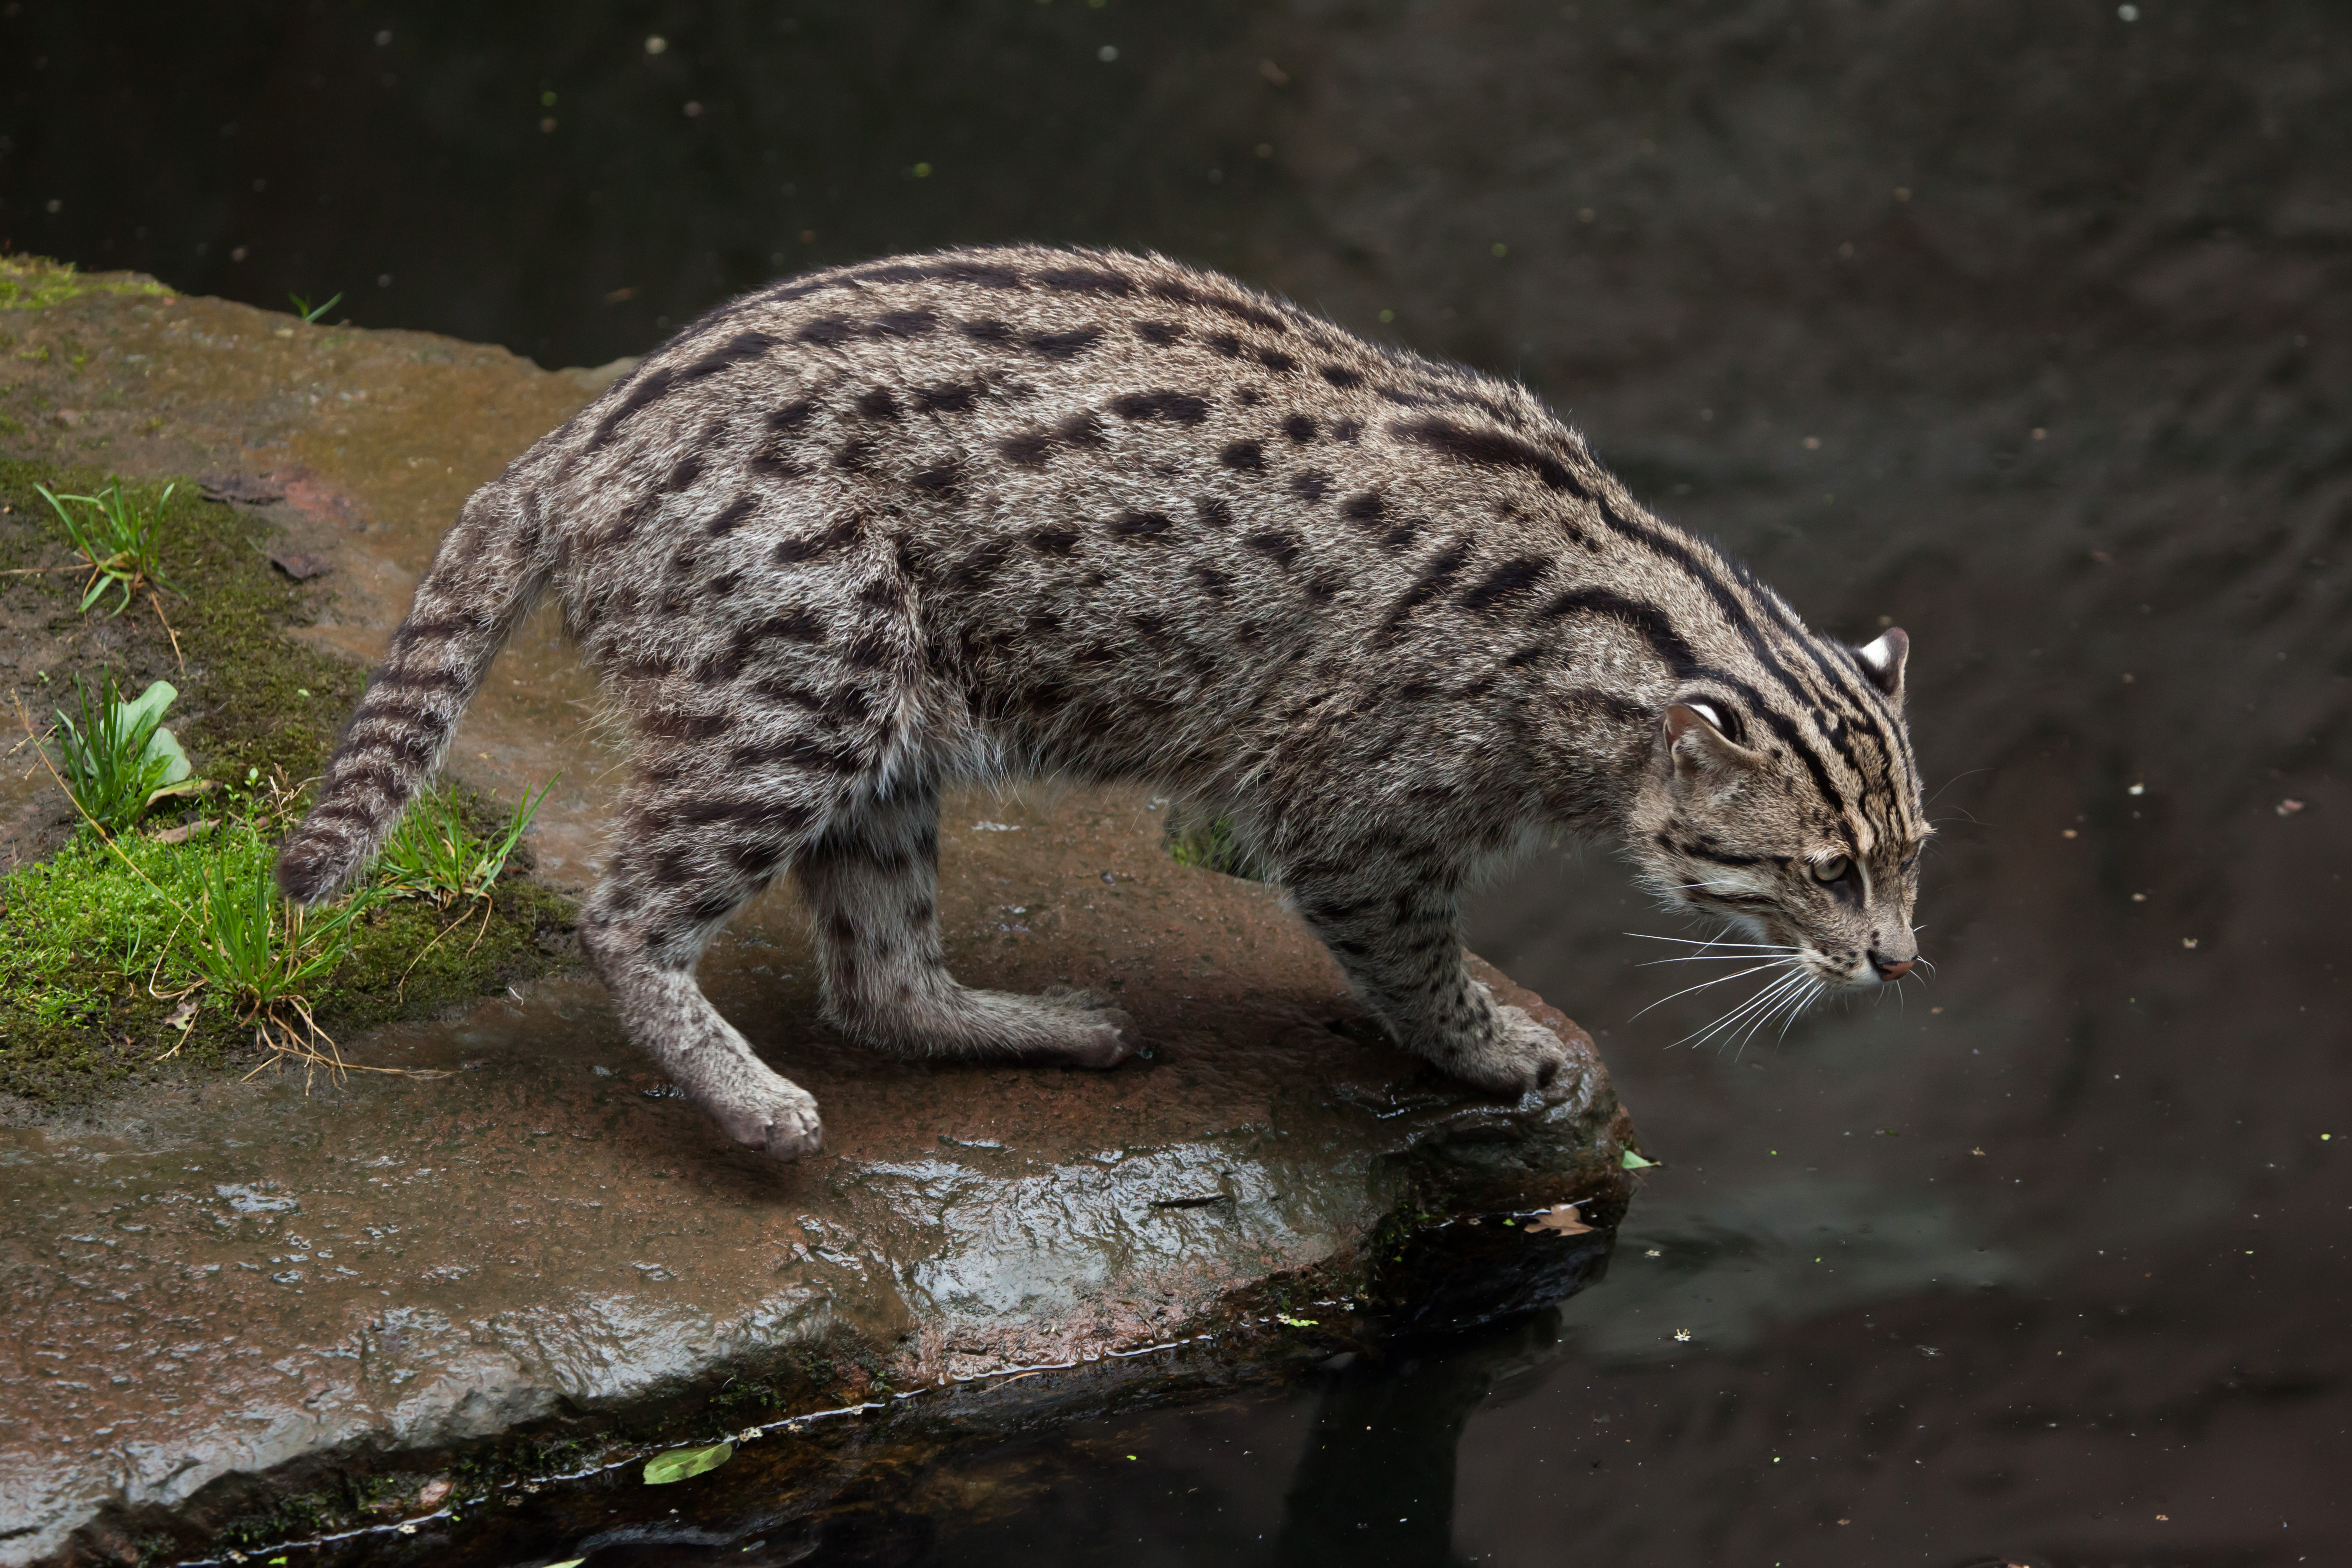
x: 1015, y: 385
x: 1085, y: 453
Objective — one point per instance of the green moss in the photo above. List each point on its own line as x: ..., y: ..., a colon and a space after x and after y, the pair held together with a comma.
x: 253, y: 696
x: 300, y: 1518
x: 838, y: 1370
x: 91, y: 949
x: 413, y: 959
x: 95, y: 963
x: 28, y: 282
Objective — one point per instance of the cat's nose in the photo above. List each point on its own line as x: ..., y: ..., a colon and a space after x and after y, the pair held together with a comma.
x: 1891, y: 971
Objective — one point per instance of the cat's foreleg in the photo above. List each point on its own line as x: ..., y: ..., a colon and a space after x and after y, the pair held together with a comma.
x: 1397, y: 936
x: 872, y: 886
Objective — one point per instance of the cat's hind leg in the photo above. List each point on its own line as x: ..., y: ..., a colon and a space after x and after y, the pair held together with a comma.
x: 872, y: 883
x: 682, y: 864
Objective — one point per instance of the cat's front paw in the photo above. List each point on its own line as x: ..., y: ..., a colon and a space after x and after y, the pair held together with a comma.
x: 781, y: 1123
x: 1522, y: 1057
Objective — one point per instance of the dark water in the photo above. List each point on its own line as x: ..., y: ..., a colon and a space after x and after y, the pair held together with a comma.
x: 2024, y: 325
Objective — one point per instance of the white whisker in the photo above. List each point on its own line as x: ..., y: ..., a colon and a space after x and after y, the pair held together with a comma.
x: 1732, y: 1019
x: 1714, y: 941
x: 1794, y: 1001
x: 1712, y: 958
x: 1723, y: 958
x: 1757, y: 1008
x: 1718, y: 980
x: 1797, y: 1006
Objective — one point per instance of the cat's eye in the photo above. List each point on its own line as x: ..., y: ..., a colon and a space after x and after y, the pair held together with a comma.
x: 1831, y: 869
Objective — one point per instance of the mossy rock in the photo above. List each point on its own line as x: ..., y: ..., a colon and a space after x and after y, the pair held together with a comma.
x: 29, y: 282
x: 92, y: 991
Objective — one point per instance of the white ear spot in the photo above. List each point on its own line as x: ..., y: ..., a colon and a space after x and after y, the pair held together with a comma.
x: 1706, y: 712
x: 1881, y: 659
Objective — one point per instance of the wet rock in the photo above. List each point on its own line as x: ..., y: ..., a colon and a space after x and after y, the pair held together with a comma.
x: 250, y: 490
x: 507, y: 1226
x: 300, y: 564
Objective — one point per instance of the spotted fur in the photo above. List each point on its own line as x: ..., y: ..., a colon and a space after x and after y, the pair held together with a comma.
x: 987, y: 513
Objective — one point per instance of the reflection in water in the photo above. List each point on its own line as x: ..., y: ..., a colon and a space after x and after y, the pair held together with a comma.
x: 2028, y: 327
x: 1376, y: 1483
x: 1354, y: 1465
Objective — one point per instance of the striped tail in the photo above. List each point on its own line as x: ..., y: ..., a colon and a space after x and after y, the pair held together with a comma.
x: 488, y: 571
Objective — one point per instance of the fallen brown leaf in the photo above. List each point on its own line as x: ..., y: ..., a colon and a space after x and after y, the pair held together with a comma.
x: 1561, y: 1219
x: 187, y: 830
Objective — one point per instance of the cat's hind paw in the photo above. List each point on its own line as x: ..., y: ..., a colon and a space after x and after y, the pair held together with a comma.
x: 781, y: 1123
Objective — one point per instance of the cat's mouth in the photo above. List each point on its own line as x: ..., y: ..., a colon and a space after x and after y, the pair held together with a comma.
x: 1849, y: 972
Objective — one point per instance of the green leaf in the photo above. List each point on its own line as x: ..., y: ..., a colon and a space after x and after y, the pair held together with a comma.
x: 679, y: 1464
x: 151, y: 703
x: 147, y: 709
x: 568, y: 1562
x: 164, y: 747
x: 1629, y: 1161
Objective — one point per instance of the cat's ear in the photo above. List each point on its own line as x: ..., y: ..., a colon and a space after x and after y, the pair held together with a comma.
x: 1882, y: 661
x: 1695, y: 737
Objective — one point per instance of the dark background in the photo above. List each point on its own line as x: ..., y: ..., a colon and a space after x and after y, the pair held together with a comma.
x: 2025, y: 324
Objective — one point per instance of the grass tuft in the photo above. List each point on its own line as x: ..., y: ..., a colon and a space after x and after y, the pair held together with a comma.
x: 117, y: 538
x: 119, y: 759
x: 265, y: 956
x: 115, y: 955
x: 438, y: 855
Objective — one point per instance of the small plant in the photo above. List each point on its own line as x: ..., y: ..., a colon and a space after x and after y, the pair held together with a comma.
x: 309, y: 312
x: 117, y: 538
x: 261, y: 953
x: 1210, y: 843
x: 435, y: 854
x: 119, y: 759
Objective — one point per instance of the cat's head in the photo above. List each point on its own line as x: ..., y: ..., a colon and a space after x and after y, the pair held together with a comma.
x: 1801, y: 828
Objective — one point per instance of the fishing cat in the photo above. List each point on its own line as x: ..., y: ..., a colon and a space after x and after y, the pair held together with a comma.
x: 999, y: 511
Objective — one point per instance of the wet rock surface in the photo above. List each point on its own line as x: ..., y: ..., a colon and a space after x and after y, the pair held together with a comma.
x: 230, y: 1294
